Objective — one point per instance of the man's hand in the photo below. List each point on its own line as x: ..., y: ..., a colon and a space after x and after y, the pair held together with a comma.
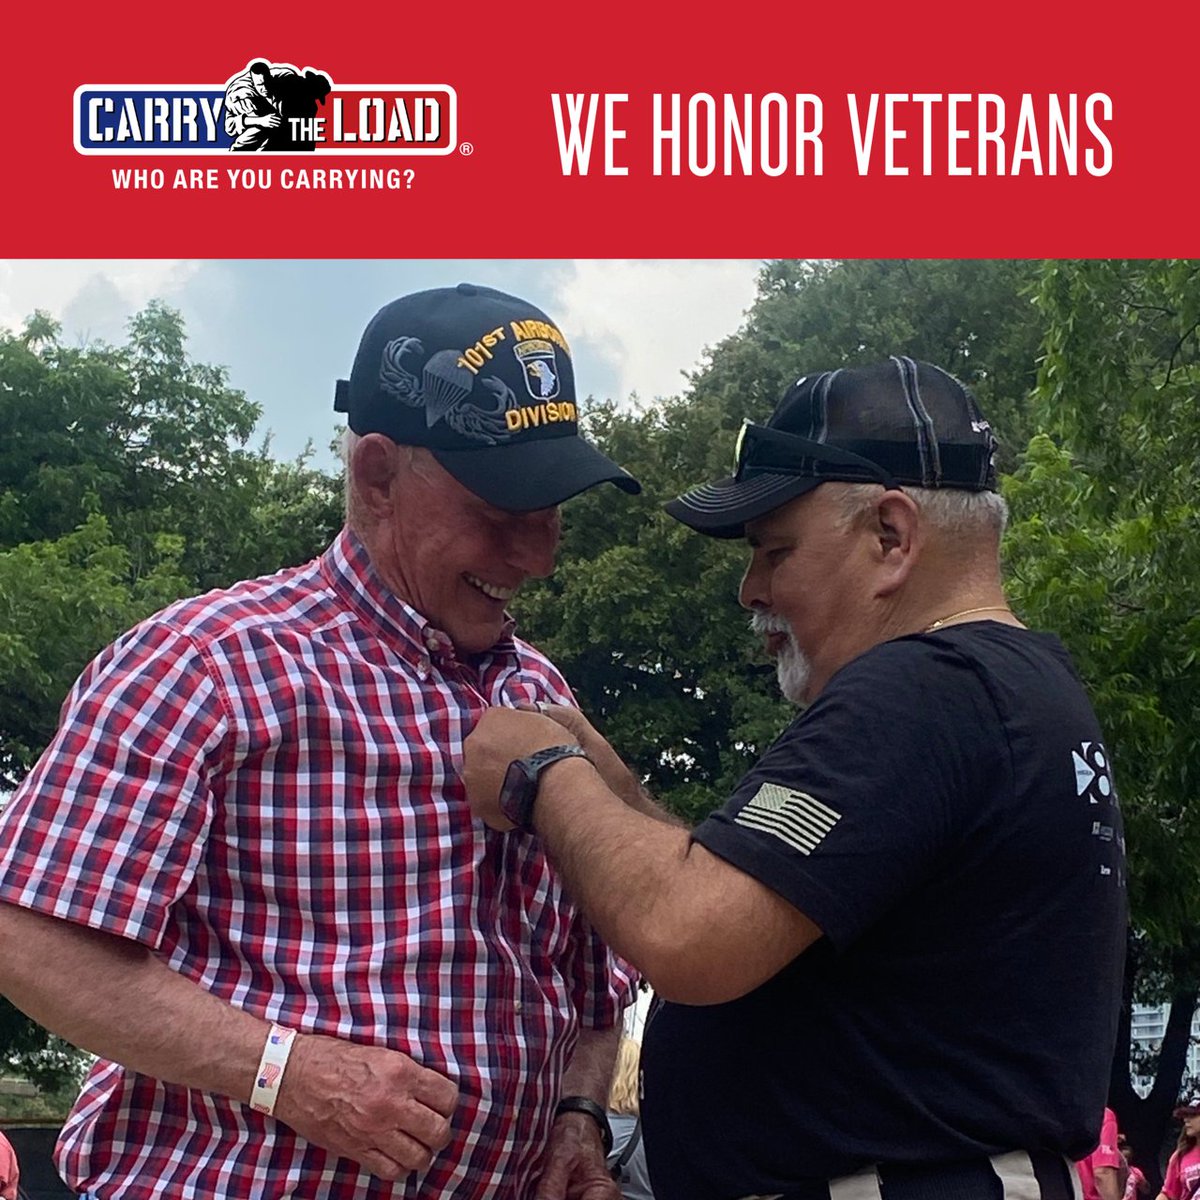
x: 573, y: 1168
x: 502, y: 735
x: 367, y: 1103
x: 618, y: 778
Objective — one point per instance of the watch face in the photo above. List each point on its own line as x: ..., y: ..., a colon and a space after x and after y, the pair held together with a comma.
x: 517, y: 793
x: 519, y: 790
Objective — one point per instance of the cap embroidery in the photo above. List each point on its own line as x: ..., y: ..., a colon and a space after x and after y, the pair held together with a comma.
x: 540, y: 368
x: 445, y: 389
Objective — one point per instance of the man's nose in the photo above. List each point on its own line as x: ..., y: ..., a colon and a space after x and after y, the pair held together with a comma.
x: 533, y: 542
x: 752, y: 593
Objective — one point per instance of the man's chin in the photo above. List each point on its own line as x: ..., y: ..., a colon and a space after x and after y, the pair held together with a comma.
x: 794, y: 674
x: 477, y: 637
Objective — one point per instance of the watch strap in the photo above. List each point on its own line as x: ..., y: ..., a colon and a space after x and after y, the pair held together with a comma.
x: 583, y: 1104
x: 541, y: 759
x: 519, y: 790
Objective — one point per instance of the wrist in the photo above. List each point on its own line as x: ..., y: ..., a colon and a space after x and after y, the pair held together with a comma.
x: 519, y: 790
x: 588, y: 1108
x: 268, y: 1077
x: 557, y: 777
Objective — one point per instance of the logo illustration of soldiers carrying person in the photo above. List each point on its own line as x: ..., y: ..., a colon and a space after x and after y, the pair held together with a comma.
x: 264, y: 101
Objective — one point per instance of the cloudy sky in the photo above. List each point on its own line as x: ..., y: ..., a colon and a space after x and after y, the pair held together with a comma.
x: 287, y: 329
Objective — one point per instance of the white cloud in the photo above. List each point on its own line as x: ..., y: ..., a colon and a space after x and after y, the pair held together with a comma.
x: 92, y: 297
x: 652, y: 319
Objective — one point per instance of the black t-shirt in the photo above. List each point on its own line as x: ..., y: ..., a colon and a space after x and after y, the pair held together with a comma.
x: 945, y: 813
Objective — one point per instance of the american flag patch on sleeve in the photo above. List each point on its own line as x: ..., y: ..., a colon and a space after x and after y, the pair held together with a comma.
x: 794, y: 817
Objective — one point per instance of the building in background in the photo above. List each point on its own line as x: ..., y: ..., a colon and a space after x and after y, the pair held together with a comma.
x: 1148, y: 1024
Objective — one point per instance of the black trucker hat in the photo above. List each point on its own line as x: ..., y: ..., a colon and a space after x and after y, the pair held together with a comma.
x: 485, y: 381
x: 894, y: 423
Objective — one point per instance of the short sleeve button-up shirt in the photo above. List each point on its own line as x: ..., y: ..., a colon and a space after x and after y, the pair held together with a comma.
x: 262, y: 785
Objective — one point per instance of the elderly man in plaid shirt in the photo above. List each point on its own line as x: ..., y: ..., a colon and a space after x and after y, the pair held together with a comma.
x: 244, y: 873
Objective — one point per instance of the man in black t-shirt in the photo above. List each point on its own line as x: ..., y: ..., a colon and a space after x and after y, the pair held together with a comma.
x: 892, y: 959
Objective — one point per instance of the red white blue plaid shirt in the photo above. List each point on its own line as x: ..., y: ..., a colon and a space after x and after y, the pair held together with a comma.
x: 263, y: 785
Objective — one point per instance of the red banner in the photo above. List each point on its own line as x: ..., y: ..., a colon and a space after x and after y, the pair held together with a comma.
x: 626, y: 130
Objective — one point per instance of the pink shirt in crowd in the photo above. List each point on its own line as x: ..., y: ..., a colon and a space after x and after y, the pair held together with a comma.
x: 1183, y: 1175
x: 1105, y: 1154
x: 1135, y: 1184
x: 9, y: 1171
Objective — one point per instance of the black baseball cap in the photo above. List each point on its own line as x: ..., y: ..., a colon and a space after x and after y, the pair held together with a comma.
x: 485, y: 381
x: 894, y: 423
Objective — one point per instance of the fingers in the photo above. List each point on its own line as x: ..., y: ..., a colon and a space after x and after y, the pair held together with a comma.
x: 397, y: 1152
x: 555, y: 1176
x: 436, y: 1091
x: 424, y: 1125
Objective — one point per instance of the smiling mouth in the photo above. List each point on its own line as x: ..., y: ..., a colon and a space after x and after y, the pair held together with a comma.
x: 492, y: 591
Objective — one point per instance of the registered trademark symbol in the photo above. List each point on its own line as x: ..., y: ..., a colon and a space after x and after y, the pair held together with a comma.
x: 466, y: 148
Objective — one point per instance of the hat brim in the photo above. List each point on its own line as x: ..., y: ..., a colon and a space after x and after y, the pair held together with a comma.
x: 535, y: 474
x: 722, y: 509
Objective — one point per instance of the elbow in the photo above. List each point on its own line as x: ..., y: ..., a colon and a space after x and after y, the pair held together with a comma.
x: 685, y: 965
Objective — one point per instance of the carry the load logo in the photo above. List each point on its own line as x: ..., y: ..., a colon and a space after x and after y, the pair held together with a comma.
x: 266, y: 107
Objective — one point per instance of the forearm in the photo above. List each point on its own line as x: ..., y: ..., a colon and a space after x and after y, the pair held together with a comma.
x: 622, y: 867
x: 114, y: 998
x: 1108, y: 1183
x: 702, y: 931
x: 574, y: 1159
x: 625, y: 784
x: 591, y: 1068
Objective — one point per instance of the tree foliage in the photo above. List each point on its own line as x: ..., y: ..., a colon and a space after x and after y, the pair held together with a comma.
x: 125, y: 482
x: 1105, y: 549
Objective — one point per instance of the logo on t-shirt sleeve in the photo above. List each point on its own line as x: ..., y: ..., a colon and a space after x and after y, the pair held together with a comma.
x: 1092, y: 776
x: 794, y: 817
x: 1094, y: 783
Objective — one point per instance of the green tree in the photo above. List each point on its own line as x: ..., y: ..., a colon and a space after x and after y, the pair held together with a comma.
x: 1105, y: 550
x: 60, y: 602
x: 125, y: 482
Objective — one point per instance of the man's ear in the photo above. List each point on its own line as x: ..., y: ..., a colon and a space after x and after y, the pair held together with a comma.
x: 899, y: 539
x: 374, y: 468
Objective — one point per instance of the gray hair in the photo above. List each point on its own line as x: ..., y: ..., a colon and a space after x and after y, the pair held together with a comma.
x: 954, y: 512
x: 350, y: 439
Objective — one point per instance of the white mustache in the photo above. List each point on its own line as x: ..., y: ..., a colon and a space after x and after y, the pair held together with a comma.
x: 763, y: 623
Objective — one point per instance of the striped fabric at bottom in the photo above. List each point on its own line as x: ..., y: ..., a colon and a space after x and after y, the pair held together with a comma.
x: 1014, y: 1176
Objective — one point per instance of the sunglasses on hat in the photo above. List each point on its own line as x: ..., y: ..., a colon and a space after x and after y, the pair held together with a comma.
x: 761, y: 450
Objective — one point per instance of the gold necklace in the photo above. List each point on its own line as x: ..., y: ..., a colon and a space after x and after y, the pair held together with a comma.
x: 966, y: 612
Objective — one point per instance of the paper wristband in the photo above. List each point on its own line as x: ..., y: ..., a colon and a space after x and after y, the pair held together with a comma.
x: 269, y: 1077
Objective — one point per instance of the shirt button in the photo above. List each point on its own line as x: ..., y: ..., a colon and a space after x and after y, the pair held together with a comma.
x: 518, y: 1007
x: 423, y: 667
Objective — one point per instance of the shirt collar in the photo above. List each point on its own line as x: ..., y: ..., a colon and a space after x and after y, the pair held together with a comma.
x: 348, y: 569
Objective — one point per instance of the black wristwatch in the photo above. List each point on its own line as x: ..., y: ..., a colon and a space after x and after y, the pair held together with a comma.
x: 583, y: 1104
x: 520, y: 786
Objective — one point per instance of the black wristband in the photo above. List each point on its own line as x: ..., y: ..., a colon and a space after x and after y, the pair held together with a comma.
x: 583, y: 1105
